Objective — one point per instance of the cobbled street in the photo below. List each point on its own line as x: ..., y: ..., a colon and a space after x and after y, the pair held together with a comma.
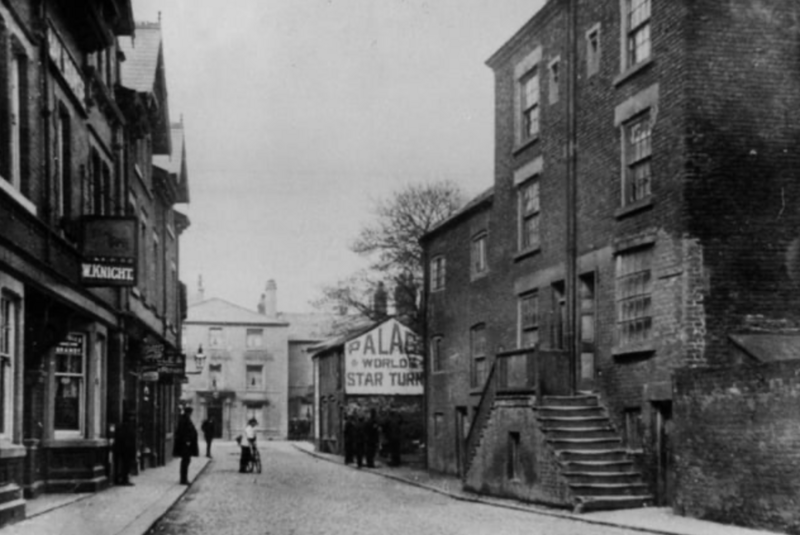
x: 300, y: 494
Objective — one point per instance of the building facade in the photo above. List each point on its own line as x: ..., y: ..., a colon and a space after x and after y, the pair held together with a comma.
x: 67, y: 245
x: 622, y: 240
x: 377, y: 368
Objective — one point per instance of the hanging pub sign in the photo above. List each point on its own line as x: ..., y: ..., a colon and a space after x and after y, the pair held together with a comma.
x: 384, y: 361
x: 109, y: 249
x: 159, y: 359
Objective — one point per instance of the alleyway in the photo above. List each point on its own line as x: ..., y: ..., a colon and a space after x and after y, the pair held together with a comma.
x: 300, y: 494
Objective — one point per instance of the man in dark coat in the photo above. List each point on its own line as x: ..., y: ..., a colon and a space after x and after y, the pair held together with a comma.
x: 371, y: 439
x: 208, y: 433
x: 186, y: 443
x: 359, y: 442
x: 349, y: 438
x: 125, y: 449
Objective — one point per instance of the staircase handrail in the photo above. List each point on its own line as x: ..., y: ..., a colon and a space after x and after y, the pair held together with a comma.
x: 488, y: 396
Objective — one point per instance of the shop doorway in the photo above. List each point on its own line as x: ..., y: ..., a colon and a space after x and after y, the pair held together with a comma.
x: 215, y: 413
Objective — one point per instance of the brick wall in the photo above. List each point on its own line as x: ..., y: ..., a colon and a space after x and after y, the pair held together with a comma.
x: 737, y: 444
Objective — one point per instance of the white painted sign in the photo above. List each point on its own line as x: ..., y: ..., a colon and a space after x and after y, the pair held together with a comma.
x: 384, y: 361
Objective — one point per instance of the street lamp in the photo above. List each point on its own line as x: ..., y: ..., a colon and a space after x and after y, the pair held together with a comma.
x: 199, y: 359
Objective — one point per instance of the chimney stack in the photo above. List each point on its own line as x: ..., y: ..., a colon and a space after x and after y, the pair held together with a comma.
x: 380, y: 300
x: 270, y: 299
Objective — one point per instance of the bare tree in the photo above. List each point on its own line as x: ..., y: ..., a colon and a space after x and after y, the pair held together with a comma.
x: 391, y: 241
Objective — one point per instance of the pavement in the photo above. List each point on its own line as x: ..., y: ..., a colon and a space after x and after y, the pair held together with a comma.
x: 123, y: 510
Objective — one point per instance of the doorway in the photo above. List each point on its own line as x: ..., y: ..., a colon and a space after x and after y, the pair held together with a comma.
x: 462, y: 430
x: 587, y: 305
x: 665, y: 475
x: 215, y: 413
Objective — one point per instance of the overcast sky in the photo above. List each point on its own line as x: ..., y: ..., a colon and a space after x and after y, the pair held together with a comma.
x: 300, y: 113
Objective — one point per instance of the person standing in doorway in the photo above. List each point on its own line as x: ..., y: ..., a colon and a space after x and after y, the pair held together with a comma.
x: 125, y: 449
x: 208, y: 432
x: 371, y: 438
x: 186, y: 445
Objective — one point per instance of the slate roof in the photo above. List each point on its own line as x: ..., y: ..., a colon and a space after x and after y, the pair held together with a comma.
x: 219, y: 311
x: 485, y: 197
x: 141, y: 57
x: 308, y: 327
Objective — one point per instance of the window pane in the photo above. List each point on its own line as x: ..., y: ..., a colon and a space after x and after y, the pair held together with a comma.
x: 634, y: 299
x: 68, y: 403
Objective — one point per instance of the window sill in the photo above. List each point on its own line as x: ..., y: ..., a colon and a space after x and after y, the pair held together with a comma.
x: 645, y: 349
x: 522, y: 145
x: 437, y: 290
x: 633, y: 208
x: 11, y: 451
x: 633, y: 71
x: 527, y: 252
x: 478, y: 276
x: 475, y: 391
x: 15, y: 194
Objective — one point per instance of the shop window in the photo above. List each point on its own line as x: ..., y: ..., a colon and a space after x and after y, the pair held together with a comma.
x: 70, y: 369
x: 255, y: 377
x: 255, y: 338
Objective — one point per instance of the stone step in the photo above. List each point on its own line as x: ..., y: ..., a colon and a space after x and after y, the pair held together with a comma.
x: 623, y: 466
x: 573, y: 401
x: 584, y: 443
x: 608, y: 489
x: 605, y: 503
x: 573, y: 421
x: 602, y: 477
x: 580, y: 432
x: 566, y: 411
x: 583, y: 455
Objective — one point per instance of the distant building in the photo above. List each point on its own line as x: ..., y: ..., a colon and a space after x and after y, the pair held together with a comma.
x: 373, y: 367
x: 255, y: 365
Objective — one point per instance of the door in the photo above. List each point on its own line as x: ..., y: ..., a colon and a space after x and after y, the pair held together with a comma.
x: 462, y: 429
x: 665, y: 484
x: 215, y: 413
x: 586, y: 365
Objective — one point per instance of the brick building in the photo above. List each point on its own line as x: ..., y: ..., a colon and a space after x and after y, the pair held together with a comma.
x: 67, y: 244
x: 623, y: 238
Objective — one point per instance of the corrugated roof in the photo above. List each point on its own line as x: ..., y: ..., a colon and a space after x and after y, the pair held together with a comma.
x: 217, y: 310
x: 141, y: 57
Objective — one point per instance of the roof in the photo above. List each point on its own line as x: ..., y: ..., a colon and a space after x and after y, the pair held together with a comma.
x: 308, y: 327
x: 766, y: 347
x: 172, y: 162
x: 484, y: 198
x: 219, y: 311
x: 142, y: 54
x: 340, y: 340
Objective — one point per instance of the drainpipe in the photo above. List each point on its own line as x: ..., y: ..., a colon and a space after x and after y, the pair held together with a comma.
x: 571, y: 281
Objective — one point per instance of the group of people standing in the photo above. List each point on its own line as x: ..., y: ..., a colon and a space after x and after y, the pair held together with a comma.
x: 362, y: 438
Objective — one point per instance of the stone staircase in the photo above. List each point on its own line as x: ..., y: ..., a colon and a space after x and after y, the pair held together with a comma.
x: 598, y: 470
